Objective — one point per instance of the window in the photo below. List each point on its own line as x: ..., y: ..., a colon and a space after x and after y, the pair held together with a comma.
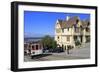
x: 87, y: 29
x: 68, y: 38
x: 36, y: 47
x: 65, y: 47
x: 77, y: 21
x: 58, y: 30
x: 81, y: 28
x: 33, y: 47
x: 29, y: 46
x: 75, y: 38
x: 88, y: 24
x: 58, y: 37
x: 68, y: 29
x: 63, y: 30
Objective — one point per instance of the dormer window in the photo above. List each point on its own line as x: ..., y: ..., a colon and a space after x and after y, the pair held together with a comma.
x: 77, y: 21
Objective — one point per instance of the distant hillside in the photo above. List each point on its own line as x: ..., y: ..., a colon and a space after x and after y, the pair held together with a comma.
x: 33, y: 39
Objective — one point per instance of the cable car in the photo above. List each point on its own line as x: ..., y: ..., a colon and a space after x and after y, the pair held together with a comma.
x: 35, y: 49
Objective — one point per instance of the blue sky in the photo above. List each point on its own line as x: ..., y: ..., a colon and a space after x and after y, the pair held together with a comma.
x: 37, y: 24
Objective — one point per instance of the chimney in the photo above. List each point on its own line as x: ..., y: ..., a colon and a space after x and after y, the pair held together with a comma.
x: 67, y: 18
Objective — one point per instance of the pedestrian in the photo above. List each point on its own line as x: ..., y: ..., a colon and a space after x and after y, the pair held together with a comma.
x: 68, y: 51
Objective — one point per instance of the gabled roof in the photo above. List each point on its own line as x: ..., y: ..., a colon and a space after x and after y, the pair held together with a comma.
x: 85, y: 23
x: 72, y: 21
x: 69, y: 23
x: 62, y: 23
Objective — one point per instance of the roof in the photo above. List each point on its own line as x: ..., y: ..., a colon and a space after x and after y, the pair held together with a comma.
x: 71, y: 21
x: 62, y: 23
x: 85, y: 23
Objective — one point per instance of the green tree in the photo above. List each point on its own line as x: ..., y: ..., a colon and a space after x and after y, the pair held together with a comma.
x: 54, y: 44
x: 48, y: 42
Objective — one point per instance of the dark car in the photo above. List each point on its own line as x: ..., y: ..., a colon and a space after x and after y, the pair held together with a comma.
x: 45, y: 50
x: 58, y: 50
x: 53, y: 50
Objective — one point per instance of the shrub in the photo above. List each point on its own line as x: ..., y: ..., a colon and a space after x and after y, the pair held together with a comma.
x: 87, y: 40
x: 77, y: 43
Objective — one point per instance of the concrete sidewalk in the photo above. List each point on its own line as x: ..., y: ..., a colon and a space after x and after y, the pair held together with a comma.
x: 83, y: 51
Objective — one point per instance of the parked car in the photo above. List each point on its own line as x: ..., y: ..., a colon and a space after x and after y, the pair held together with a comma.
x: 45, y: 50
x: 57, y: 50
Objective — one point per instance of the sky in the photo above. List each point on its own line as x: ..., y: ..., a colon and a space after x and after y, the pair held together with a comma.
x: 38, y: 24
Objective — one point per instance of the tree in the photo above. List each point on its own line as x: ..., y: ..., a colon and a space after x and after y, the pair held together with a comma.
x: 54, y: 44
x: 48, y: 42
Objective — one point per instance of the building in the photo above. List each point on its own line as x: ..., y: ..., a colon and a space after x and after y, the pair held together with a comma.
x: 72, y: 30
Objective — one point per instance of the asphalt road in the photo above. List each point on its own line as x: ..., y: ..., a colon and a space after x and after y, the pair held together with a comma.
x: 77, y: 53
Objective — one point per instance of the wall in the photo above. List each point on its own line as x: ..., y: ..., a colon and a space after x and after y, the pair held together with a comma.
x: 5, y: 35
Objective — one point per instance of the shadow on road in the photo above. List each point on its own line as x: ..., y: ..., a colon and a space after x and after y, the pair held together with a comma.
x: 39, y: 56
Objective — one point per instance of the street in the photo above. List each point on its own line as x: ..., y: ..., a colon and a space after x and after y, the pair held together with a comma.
x: 76, y: 53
